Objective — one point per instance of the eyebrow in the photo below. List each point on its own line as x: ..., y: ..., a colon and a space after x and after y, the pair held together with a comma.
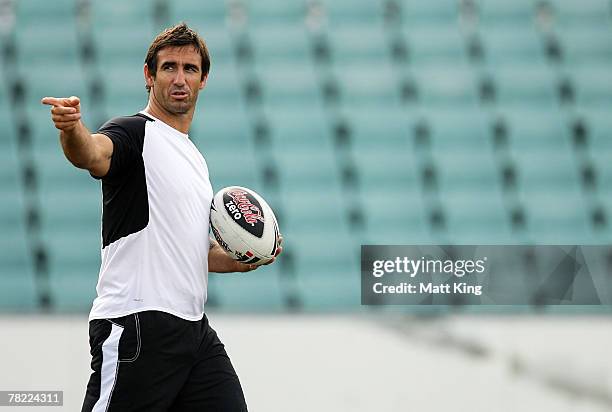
x: 174, y: 63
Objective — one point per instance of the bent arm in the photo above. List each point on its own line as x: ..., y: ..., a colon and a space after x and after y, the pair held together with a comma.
x: 87, y: 151
x: 81, y: 148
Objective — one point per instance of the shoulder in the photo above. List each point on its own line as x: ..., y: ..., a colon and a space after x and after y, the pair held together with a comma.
x: 132, y: 125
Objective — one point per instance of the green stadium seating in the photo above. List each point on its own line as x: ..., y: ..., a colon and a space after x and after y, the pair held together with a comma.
x: 500, y: 12
x: 218, y: 41
x: 280, y: 43
x: 38, y: 46
x: 302, y: 130
x: 223, y: 87
x: 298, y: 173
x: 442, y: 11
x: 539, y: 131
x: 526, y: 82
x: 593, y: 84
x: 261, y: 290
x: 369, y: 146
x: 558, y: 174
x: 266, y: 12
x: 434, y: 44
x: 341, y: 12
x: 583, y: 45
x: 123, y: 15
x: 231, y: 168
x: 556, y: 217
x: 477, y: 217
x: 599, y: 126
x: 358, y: 43
x: 466, y: 171
x: 289, y: 85
x: 378, y: 130
x: 204, y: 13
x: 506, y: 45
x: 460, y: 129
x: 214, y: 127
x: 34, y: 12
x: 361, y: 85
x: 584, y: 12
x: 444, y: 85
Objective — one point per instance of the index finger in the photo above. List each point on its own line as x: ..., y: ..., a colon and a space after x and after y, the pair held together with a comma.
x: 53, y: 101
x: 61, y: 102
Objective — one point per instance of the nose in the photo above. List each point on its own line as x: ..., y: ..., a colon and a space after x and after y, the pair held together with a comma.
x: 179, y: 79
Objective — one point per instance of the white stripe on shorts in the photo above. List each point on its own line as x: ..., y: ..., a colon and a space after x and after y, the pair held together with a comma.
x: 110, y: 366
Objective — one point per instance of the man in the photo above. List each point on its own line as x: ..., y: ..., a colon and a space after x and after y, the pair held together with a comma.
x: 151, y: 344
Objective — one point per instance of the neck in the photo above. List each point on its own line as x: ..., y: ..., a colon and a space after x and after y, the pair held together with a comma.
x: 180, y: 122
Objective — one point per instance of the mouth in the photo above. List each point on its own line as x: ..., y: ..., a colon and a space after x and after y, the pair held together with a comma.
x: 179, y: 95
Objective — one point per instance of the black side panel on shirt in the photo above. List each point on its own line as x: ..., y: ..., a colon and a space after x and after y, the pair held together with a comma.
x: 124, y: 188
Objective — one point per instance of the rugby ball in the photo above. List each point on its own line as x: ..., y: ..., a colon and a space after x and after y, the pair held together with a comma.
x: 244, y: 225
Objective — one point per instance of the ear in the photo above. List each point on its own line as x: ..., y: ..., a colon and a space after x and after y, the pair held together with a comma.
x: 148, y: 76
x: 203, y: 82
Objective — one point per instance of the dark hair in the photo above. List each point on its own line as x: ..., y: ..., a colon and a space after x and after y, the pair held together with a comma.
x: 179, y: 35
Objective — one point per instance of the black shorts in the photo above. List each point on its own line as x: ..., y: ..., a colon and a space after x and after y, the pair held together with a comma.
x: 154, y: 361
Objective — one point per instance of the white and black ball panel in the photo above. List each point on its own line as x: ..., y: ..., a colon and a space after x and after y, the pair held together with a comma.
x: 244, y: 225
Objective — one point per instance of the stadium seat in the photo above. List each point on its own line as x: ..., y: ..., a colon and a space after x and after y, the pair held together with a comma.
x: 500, y: 12
x: 599, y: 127
x: 215, y: 126
x: 506, y: 45
x: 223, y: 87
x: 469, y: 171
x: 341, y: 12
x: 17, y: 283
x: 264, y: 12
x: 358, y: 43
x: 123, y: 15
x: 585, y: 44
x: 379, y: 130
x: 218, y: 42
x: 124, y: 45
x: 65, y: 79
x: 227, y: 168
x: 526, y: 83
x: 593, y: 84
x: 280, y: 43
x: 558, y: 174
x: 584, y: 12
x: 445, y: 85
x: 417, y: 11
x: 395, y: 215
x: 299, y: 176
x: 435, y: 43
x: 556, y: 217
x: 199, y: 13
x: 299, y: 130
x: 34, y: 12
x: 535, y: 131
x: 74, y: 289
x: 37, y: 45
x: 603, y: 164
x: 261, y: 290
x: 477, y: 217
x: 328, y: 277
x: 457, y: 129
x: 289, y: 84
x: 386, y: 171
x: 365, y: 84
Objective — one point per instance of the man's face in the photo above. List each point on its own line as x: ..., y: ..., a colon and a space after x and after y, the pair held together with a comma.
x: 178, y: 80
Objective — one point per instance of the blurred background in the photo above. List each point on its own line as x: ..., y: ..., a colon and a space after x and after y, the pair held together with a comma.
x: 361, y: 122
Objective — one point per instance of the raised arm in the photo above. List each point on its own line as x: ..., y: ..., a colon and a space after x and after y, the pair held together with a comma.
x: 83, y: 149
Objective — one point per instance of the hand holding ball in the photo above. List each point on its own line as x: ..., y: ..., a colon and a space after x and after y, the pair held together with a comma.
x: 244, y: 225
